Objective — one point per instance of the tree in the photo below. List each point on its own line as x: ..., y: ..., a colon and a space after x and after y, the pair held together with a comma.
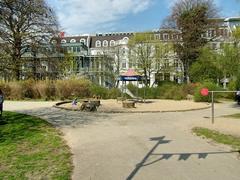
x: 147, y: 53
x: 205, y: 67
x: 165, y: 61
x: 22, y: 24
x: 228, y: 61
x: 191, y: 18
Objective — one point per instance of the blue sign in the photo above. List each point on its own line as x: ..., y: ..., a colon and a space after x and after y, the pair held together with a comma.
x: 130, y: 78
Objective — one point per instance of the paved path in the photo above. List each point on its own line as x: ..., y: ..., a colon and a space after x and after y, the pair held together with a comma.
x: 148, y: 146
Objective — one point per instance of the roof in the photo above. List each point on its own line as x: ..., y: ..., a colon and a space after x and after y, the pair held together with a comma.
x: 130, y: 73
x: 115, y: 37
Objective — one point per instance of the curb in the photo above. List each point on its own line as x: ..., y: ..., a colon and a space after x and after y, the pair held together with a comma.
x: 57, y: 105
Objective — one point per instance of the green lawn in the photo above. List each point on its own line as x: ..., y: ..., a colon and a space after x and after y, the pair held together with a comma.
x: 30, y: 148
x: 233, y: 141
x: 237, y: 116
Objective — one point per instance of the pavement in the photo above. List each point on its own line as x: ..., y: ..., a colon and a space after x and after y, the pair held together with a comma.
x: 141, y: 146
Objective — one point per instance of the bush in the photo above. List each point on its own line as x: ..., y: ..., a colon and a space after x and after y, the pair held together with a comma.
x: 73, y: 88
x: 167, y: 90
x: 45, y: 90
x: 114, y: 93
x: 27, y: 89
x: 97, y: 90
x: 16, y: 91
x: 6, y: 89
x: 211, y: 87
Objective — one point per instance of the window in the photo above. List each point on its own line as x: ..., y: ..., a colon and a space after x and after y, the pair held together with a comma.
x: 74, y: 49
x: 124, y: 64
x: 105, y: 43
x: 98, y: 43
x: 214, y: 45
x: 157, y: 36
x: 130, y: 64
x: 174, y: 36
x: 54, y: 41
x: 165, y: 36
x: 124, y: 51
x: 112, y: 43
x: 83, y: 41
x: 63, y: 41
x: 167, y: 77
x: 72, y: 40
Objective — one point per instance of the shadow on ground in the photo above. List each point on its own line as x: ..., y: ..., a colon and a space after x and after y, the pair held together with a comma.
x: 167, y: 156
x: 64, y: 118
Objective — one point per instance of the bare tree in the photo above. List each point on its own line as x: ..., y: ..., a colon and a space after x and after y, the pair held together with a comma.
x: 22, y: 24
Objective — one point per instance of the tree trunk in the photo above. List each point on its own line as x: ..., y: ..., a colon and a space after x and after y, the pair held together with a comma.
x: 186, y: 72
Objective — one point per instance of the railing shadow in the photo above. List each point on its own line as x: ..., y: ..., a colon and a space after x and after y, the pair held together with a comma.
x: 167, y: 156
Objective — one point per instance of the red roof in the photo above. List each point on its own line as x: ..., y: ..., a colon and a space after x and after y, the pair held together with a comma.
x: 130, y: 72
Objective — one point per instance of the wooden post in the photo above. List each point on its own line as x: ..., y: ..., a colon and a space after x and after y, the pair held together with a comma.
x: 212, y: 107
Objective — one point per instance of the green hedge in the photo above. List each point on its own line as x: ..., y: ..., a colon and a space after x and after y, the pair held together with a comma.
x: 164, y: 91
x: 211, y: 87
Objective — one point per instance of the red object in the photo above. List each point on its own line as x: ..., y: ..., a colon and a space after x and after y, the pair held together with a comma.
x: 204, y: 92
x: 130, y: 72
x: 62, y: 34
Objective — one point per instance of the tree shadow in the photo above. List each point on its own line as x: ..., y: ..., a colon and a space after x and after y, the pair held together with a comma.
x: 64, y: 118
x: 15, y: 127
x: 160, y: 140
x: 167, y: 156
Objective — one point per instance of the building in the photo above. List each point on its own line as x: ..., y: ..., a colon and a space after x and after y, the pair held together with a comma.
x: 102, y: 57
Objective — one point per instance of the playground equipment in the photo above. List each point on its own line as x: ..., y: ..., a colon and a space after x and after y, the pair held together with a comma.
x: 130, y: 75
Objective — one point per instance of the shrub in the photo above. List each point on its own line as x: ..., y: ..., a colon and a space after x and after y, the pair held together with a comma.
x: 16, y: 91
x: 6, y: 89
x: 211, y: 87
x: 189, y: 88
x: 73, y: 88
x: 97, y: 90
x: 167, y: 90
x: 45, y: 90
x: 113, y: 93
x: 27, y: 89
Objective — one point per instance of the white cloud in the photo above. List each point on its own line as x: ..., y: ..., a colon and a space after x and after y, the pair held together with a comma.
x: 82, y: 16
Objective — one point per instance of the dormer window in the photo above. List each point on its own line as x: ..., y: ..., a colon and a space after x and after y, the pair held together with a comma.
x: 72, y: 40
x: 105, y: 43
x: 98, y: 43
x: 125, y: 38
x: 82, y: 41
x: 54, y: 41
x: 63, y: 41
x: 112, y: 43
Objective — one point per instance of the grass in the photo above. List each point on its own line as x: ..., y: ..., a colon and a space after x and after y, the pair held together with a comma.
x: 218, y: 137
x: 30, y: 148
x: 236, y: 116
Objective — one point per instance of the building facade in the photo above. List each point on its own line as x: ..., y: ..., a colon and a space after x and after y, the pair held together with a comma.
x: 103, y: 57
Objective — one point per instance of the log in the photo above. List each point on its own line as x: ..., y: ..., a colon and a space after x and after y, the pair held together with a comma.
x: 128, y: 104
x: 96, y: 102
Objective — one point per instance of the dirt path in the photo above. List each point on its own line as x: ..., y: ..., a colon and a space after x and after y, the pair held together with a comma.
x: 142, y: 146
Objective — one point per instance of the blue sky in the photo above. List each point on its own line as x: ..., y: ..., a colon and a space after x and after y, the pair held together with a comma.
x: 91, y: 16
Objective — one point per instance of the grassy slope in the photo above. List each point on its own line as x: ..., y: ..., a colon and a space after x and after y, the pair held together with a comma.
x: 233, y: 141
x: 32, y: 148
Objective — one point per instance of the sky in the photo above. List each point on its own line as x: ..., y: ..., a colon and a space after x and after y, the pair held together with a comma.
x: 102, y: 16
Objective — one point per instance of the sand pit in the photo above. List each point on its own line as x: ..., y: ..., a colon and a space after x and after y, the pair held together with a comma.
x: 112, y: 106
